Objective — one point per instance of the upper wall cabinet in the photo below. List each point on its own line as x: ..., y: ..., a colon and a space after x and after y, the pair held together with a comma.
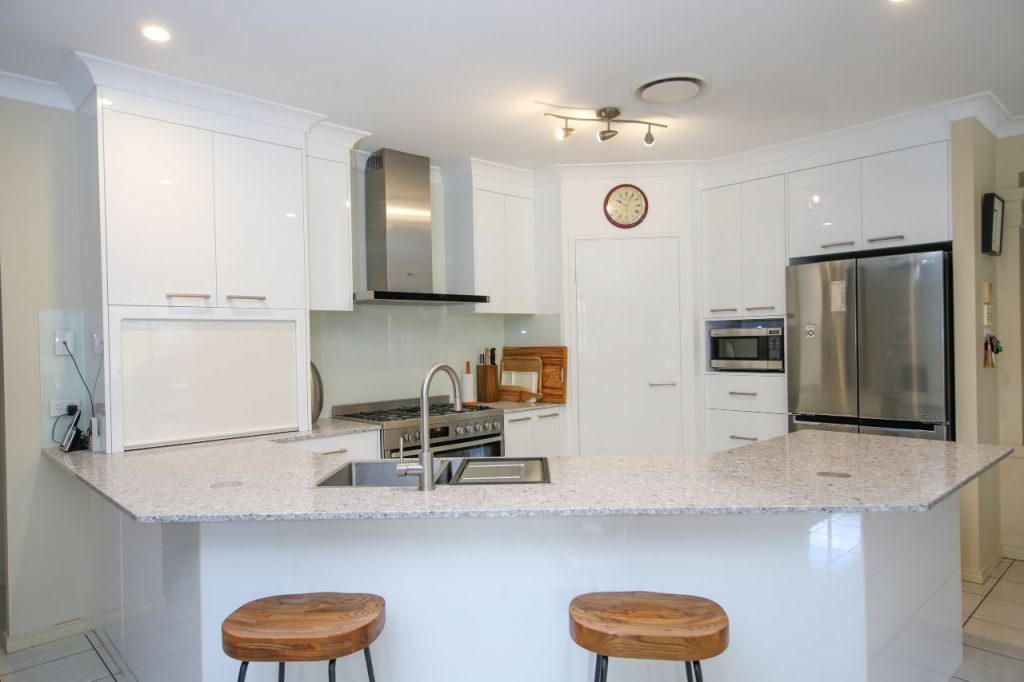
x: 825, y: 210
x: 489, y: 236
x: 261, y: 245
x: 906, y: 196
x: 898, y: 198
x: 744, y: 236
x: 159, y: 209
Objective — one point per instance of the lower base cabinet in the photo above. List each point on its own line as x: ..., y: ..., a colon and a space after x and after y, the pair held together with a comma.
x: 728, y: 429
x: 533, y: 433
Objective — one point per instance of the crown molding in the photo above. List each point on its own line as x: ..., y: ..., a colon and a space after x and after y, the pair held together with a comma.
x: 633, y: 169
x: 83, y: 71
x: 33, y: 90
x: 332, y: 142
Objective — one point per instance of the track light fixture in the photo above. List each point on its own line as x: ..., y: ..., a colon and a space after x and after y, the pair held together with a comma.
x: 604, y: 115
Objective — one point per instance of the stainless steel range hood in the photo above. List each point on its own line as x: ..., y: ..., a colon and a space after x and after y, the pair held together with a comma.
x: 398, y: 245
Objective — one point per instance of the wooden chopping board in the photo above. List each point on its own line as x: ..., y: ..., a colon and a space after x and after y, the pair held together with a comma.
x: 554, y: 368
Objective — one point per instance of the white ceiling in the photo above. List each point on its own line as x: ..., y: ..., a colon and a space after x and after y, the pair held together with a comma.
x: 451, y: 78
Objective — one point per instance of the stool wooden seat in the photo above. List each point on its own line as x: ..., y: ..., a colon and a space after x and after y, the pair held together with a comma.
x: 649, y: 625
x: 318, y: 626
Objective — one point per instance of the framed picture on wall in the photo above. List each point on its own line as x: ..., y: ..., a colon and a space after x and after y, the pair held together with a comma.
x: 992, y: 224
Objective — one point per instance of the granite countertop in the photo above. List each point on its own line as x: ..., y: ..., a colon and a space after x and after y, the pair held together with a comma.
x: 508, y: 406
x: 808, y: 471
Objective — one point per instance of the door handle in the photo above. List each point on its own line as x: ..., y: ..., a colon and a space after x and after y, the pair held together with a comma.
x: 545, y: 416
x: 722, y: 310
x: 184, y: 295
x: 746, y: 438
x: 831, y: 244
x: 519, y: 419
x: 339, y: 451
x: 661, y: 383
x: 760, y: 307
x: 890, y: 238
x: 241, y: 297
x: 744, y: 393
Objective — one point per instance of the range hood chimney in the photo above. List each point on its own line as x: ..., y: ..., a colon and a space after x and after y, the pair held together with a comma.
x: 398, y: 245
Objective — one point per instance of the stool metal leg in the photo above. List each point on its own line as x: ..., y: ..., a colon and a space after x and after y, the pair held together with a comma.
x: 369, y: 665
x: 330, y: 669
x: 689, y: 672
x: 241, y: 671
x: 280, y: 672
x: 696, y: 669
x: 601, y: 669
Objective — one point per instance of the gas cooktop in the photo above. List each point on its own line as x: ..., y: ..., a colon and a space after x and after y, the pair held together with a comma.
x: 411, y: 412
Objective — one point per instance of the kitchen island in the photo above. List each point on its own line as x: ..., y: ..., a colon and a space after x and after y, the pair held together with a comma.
x: 835, y: 555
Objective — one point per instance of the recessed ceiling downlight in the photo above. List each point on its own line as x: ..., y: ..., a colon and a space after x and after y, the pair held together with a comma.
x: 672, y: 89
x: 158, y: 34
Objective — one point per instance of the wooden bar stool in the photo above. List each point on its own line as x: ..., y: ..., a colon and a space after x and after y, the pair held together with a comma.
x: 649, y: 625
x: 320, y: 626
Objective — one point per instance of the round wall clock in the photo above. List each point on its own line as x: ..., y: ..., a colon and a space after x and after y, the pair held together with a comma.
x: 625, y: 206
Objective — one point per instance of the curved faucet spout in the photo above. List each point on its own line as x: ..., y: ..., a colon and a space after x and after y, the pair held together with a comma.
x: 425, y: 468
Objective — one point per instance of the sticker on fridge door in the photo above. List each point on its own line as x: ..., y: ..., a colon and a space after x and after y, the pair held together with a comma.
x: 839, y: 296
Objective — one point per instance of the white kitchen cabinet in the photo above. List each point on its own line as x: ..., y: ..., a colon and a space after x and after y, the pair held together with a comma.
x: 825, y: 210
x: 727, y: 429
x: 906, y: 197
x: 362, y: 445
x: 722, y: 226
x: 534, y: 433
x: 763, y: 246
x: 489, y: 257
x: 330, y: 235
x: 261, y: 245
x: 744, y: 235
x: 158, y: 181
x: 746, y: 392
x: 520, y: 266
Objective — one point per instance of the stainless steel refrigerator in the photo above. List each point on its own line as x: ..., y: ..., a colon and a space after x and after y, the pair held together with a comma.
x: 869, y: 345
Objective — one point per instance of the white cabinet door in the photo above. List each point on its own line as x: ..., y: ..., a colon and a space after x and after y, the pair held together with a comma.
x: 520, y: 269
x: 330, y: 235
x: 489, y: 249
x: 158, y: 183
x: 906, y: 197
x: 726, y: 429
x: 825, y: 210
x: 547, y: 432
x: 628, y: 345
x: 764, y: 246
x: 261, y: 249
x: 519, y: 435
x: 746, y: 392
x: 722, y: 264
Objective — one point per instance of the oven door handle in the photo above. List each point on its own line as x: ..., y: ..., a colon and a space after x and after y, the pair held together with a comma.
x: 448, y: 447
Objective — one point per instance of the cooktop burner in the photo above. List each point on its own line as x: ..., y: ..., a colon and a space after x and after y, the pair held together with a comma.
x: 411, y: 412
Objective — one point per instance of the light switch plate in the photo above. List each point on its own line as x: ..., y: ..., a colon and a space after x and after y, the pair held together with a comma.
x: 60, y: 337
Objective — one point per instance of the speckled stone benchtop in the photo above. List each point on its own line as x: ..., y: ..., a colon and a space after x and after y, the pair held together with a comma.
x: 259, y: 479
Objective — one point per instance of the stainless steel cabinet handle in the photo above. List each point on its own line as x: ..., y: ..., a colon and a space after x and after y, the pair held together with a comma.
x: 749, y: 393
x: 661, y: 383
x: 339, y: 451
x: 520, y: 419
x: 890, y: 238
x: 545, y: 416
x: 240, y: 297
x: 831, y: 244
x: 748, y: 438
x: 760, y: 307
x: 178, y: 294
x: 722, y: 310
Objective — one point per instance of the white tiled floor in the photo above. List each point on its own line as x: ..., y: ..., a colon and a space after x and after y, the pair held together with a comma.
x: 993, y: 641
x: 994, y: 627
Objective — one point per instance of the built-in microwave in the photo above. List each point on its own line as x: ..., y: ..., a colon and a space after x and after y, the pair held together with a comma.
x: 746, y: 346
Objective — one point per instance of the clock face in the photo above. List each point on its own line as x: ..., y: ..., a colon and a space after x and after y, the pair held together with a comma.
x: 625, y: 206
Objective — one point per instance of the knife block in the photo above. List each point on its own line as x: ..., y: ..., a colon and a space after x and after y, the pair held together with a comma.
x: 487, y: 383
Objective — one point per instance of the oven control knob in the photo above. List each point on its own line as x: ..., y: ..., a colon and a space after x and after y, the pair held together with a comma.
x: 478, y: 428
x: 488, y: 426
x: 496, y: 424
x: 460, y: 430
x: 417, y: 435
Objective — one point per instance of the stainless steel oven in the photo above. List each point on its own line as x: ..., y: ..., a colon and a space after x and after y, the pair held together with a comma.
x: 747, y: 348
x: 488, y: 446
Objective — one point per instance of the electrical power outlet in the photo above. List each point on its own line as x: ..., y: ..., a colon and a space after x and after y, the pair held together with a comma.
x: 60, y: 337
x: 60, y: 407
x: 97, y: 343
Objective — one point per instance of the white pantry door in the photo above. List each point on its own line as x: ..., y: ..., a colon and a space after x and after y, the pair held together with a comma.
x: 628, y: 344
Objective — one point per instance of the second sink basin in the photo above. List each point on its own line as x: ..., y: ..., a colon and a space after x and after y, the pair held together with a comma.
x: 497, y: 470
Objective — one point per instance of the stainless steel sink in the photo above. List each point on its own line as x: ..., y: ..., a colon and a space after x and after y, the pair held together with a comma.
x: 381, y: 472
x: 502, y: 470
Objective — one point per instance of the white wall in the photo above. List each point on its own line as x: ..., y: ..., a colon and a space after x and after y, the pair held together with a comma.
x: 48, y: 567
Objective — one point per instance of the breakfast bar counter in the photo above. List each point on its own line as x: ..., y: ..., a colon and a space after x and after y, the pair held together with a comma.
x: 835, y: 555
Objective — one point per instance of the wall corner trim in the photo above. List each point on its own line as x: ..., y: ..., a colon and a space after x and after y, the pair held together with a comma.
x: 989, y: 111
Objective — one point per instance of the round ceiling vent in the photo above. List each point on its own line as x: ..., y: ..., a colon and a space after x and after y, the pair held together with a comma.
x: 672, y: 89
